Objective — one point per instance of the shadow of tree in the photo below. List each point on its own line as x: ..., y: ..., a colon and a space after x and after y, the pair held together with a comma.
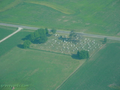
x: 20, y: 46
x: 74, y: 56
x: 26, y: 38
x: 103, y: 42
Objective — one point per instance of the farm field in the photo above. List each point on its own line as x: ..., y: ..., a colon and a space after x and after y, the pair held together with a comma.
x: 4, y: 31
x: 99, y: 73
x: 39, y: 70
x: 32, y: 68
x: 89, y: 16
x: 11, y: 42
x: 54, y: 65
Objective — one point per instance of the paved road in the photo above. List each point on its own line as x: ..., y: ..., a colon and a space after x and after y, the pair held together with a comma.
x: 11, y: 35
x: 61, y: 31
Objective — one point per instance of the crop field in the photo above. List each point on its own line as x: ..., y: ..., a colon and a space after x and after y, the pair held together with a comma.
x: 11, y: 42
x: 89, y: 16
x: 100, y: 73
x: 54, y: 44
x: 39, y: 70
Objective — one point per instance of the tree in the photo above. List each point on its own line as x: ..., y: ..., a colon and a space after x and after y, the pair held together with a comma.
x: 43, y: 37
x: 26, y: 44
x: 83, y: 54
x: 53, y: 31
x: 72, y: 35
x: 36, y: 34
x: 46, y: 31
x: 39, y: 36
x: 32, y: 37
x: 105, y: 40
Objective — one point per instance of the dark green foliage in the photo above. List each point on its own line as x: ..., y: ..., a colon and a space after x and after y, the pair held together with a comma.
x: 26, y: 44
x: 83, y: 54
x: 72, y: 35
x: 36, y: 34
x: 105, y: 40
x: 43, y: 37
x: 46, y: 31
x: 53, y: 31
x: 39, y: 36
x: 32, y: 37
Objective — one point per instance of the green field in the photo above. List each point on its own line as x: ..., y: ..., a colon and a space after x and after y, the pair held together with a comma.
x: 5, y: 31
x: 90, y: 16
x: 99, y: 73
x: 52, y: 65
x: 11, y: 42
x: 38, y: 69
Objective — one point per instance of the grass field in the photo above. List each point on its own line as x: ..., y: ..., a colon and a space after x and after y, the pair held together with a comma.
x: 100, y: 73
x: 8, y: 4
x: 90, y: 16
x: 47, y: 66
x: 4, y: 31
x: 53, y: 6
x: 11, y: 42
x: 38, y: 69
x: 28, y: 69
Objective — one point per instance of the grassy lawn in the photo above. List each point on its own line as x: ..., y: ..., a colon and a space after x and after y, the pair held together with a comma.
x: 39, y: 69
x: 90, y: 16
x: 11, y: 42
x: 99, y: 73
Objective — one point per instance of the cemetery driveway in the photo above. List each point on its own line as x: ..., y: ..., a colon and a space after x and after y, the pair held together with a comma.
x: 62, y: 31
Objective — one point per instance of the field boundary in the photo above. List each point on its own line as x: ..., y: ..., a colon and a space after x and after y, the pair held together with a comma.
x: 97, y: 50
x: 70, y: 75
x: 49, y: 51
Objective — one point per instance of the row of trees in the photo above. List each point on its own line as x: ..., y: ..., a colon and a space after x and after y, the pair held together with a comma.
x: 39, y: 36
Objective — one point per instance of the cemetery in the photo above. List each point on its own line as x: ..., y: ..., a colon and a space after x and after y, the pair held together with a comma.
x: 55, y: 44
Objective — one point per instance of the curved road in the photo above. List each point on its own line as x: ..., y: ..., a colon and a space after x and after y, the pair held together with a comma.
x: 61, y: 31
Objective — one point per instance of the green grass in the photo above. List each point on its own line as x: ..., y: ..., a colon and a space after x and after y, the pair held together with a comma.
x: 90, y: 16
x: 8, y: 4
x: 5, y: 31
x: 39, y: 69
x: 54, y: 6
x: 36, y: 68
x: 99, y: 73
x: 11, y: 42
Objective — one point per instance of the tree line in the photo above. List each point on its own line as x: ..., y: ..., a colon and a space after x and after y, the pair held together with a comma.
x: 39, y: 36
